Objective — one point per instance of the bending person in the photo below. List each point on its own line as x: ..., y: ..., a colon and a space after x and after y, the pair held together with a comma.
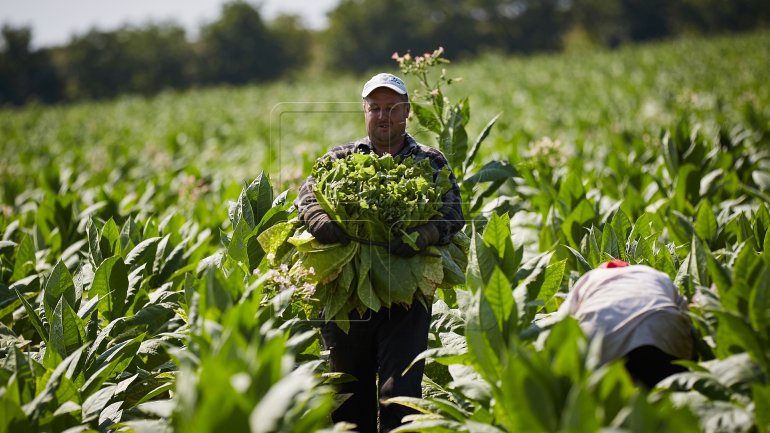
x: 639, y: 315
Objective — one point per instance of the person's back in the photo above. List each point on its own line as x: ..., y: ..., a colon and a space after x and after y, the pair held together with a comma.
x: 639, y: 315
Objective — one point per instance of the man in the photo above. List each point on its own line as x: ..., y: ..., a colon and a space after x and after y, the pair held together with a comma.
x: 385, y: 342
x: 639, y: 315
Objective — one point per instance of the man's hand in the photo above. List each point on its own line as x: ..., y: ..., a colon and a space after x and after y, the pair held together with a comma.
x: 428, y: 235
x: 324, y: 229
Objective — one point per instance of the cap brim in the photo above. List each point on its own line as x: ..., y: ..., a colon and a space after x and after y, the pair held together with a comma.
x: 369, y: 89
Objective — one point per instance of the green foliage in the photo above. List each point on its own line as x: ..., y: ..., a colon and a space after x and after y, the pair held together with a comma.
x: 145, y: 60
x: 237, y: 377
x: 448, y: 121
x: 237, y: 45
x: 132, y: 298
x: 374, y: 200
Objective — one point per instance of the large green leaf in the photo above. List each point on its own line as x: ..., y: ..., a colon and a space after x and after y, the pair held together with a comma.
x: 454, y: 350
x: 610, y: 243
x: 25, y: 258
x: 497, y: 233
x: 579, y: 218
x: 153, y: 316
x: 143, y: 253
x: 238, y: 247
x: 706, y: 222
x: 111, y: 284
x: 492, y: 171
x: 171, y: 263
x: 426, y: 117
x: 364, y: 288
x: 102, y: 338
x: 699, y: 262
x: 483, y: 336
x: 581, y: 413
x: 500, y: 296
x: 704, y: 383
x: 584, y: 265
x: 37, y: 323
x: 96, y: 402
x: 453, y: 273
x: 746, y: 269
x: 554, y: 274
x: 260, y: 197
x: 622, y: 226
x: 733, y: 332
x: 12, y: 418
x: 110, y: 235
x: 453, y: 139
x: 428, y: 271
x: 67, y: 331
x: 24, y: 387
x: 531, y: 277
x: 129, y: 235
x: 571, y: 191
x: 110, y: 364
x: 761, y: 224
x: 327, y: 263
x: 477, y: 144
x: 273, y: 412
x: 564, y: 344
x: 58, y: 286
x: 244, y: 212
x: 766, y: 248
x: 761, y: 397
x: 94, y: 247
x: 719, y: 274
x: 392, y: 277
x: 61, y: 376
x: 687, y: 190
x: 432, y: 426
x: 481, y: 263
x: 759, y: 304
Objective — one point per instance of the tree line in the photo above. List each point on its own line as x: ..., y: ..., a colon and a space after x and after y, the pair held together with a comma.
x: 241, y: 47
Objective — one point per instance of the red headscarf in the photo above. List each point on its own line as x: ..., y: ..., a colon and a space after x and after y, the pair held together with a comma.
x: 614, y: 263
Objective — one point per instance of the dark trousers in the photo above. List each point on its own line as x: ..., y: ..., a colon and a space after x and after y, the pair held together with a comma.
x: 379, y: 344
x: 648, y: 365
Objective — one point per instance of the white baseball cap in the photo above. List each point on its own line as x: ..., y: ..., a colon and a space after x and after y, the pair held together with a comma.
x: 384, y: 80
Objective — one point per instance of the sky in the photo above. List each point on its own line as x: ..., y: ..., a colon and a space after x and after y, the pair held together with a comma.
x: 53, y: 22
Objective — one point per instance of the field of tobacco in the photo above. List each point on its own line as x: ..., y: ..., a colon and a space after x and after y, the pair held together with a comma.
x: 139, y: 287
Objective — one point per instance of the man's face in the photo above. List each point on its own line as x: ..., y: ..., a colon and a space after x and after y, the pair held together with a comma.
x: 386, y: 112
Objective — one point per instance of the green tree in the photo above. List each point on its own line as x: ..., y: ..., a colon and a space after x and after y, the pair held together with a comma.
x: 157, y: 57
x: 103, y: 64
x: 239, y: 47
x: 25, y: 74
x: 526, y: 25
x: 294, y: 41
x: 711, y: 16
x: 363, y: 34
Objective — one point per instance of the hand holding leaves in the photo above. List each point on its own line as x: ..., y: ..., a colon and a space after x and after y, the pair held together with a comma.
x: 324, y: 229
x: 427, y: 235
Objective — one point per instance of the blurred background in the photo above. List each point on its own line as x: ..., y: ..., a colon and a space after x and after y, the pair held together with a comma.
x: 53, y: 52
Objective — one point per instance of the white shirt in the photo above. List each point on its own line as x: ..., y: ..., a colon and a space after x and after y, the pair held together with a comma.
x: 630, y: 306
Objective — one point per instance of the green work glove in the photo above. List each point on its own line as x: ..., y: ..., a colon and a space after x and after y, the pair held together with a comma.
x: 428, y: 236
x: 324, y: 229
